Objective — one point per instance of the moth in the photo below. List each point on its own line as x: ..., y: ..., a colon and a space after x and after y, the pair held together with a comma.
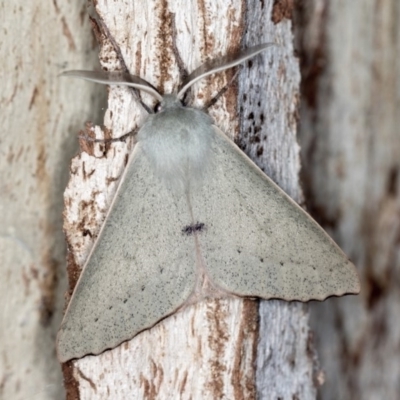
x: 193, y: 217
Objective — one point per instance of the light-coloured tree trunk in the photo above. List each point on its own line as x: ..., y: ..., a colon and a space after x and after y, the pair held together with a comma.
x: 215, y: 349
x: 39, y: 114
x: 350, y: 162
x: 350, y: 141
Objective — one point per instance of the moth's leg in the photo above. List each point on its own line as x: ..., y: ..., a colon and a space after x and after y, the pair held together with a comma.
x: 222, y: 91
x: 136, y: 92
x: 181, y: 65
x: 86, y: 137
x: 183, y: 73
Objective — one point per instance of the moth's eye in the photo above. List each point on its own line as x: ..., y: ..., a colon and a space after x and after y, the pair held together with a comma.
x: 158, y: 107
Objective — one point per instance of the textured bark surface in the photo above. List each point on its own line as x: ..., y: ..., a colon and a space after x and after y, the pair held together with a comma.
x: 350, y: 169
x: 209, y: 350
x: 40, y: 117
x: 351, y: 154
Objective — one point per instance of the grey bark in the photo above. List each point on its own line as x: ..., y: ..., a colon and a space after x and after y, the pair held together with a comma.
x: 350, y: 155
x: 40, y: 117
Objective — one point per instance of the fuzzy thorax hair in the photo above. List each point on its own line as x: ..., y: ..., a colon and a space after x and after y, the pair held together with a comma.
x: 177, y: 142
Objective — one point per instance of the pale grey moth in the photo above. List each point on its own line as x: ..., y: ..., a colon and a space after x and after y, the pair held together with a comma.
x: 193, y: 217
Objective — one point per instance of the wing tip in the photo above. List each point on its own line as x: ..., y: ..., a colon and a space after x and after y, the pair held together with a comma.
x: 66, y: 354
x: 66, y: 351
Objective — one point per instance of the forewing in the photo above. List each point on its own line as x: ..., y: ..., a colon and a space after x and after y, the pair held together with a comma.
x: 258, y: 242
x: 141, y: 269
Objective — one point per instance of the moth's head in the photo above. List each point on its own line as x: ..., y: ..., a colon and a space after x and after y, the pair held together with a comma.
x: 168, y: 101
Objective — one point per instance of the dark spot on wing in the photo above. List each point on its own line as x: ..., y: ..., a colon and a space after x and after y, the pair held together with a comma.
x: 191, y: 229
x: 281, y: 263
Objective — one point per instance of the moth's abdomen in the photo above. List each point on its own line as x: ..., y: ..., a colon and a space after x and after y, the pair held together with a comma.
x: 177, y: 143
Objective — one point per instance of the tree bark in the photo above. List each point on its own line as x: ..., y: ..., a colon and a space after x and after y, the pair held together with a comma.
x: 351, y: 154
x: 38, y: 115
x: 209, y: 350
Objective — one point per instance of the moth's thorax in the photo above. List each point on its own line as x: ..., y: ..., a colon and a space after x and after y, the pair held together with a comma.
x: 177, y: 142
